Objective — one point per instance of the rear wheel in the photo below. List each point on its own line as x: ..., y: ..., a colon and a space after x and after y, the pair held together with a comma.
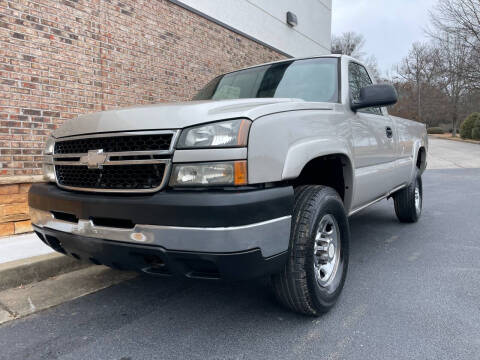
x: 409, y: 201
x: 314, y: 275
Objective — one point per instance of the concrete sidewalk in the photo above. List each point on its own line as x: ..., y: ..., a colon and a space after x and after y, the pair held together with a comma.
x: 448, y: 154
x: 25, y: 259
x: 23, y: 246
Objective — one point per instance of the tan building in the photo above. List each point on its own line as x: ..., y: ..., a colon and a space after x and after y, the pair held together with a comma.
x: 62, y: 58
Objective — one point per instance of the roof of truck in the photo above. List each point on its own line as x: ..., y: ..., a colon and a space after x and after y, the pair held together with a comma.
x: 294, y: 59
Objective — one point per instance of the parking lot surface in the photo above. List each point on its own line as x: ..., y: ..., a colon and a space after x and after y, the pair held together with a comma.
x: 412, y: 292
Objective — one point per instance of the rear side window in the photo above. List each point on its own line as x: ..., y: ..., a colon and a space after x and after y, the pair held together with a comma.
x: 358, y: 78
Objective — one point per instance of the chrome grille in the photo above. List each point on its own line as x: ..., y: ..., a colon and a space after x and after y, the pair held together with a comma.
x: 125, y: 177
x: 115, y: 144
x: 115, y: 162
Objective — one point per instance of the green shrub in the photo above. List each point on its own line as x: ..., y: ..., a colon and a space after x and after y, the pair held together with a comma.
x: 468, y: 125
x: 435, y: 130
x: 476, y: 133
x: 476, y: 130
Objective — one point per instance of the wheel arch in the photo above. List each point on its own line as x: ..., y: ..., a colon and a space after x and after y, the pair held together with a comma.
x: 421, y: 158
x: 331, y: 168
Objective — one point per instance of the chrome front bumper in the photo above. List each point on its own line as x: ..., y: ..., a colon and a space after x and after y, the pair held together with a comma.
x: 271, y: 236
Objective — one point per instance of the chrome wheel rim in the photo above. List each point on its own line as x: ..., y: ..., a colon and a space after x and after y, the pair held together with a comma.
x: 326, y: 250
x: 418, y: 199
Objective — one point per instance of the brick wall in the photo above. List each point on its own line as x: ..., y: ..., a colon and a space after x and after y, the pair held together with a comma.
x: 61, y: 58
x: 14, y: 218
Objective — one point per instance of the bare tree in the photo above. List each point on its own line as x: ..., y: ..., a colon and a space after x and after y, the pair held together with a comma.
x: 435, y: 104
x: 441, y: 78
x: 460, y: 18
x: 351, y: 44
x: 348, y: 43
x: 418, y: 68
x: 456, y: 32
x: 454, y: 55
x: 372, y: 64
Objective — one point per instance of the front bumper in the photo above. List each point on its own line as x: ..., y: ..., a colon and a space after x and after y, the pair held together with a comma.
x: 224, y: 234
x: 158, y: 261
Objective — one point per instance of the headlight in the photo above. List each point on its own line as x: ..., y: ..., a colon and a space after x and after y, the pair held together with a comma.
x: 231, y: 133
x: 48, y: 168
x: 213, y: 174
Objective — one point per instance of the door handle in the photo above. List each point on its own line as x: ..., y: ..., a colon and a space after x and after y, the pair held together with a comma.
x: 389, y: 132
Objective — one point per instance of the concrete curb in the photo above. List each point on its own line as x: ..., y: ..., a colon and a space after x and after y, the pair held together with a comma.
x: 38, y: 268
x: 456, y: 139
x: 22, y: 301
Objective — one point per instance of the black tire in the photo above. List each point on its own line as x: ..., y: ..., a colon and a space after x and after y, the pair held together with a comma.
x: 405, y: 201
x: 297, y: 286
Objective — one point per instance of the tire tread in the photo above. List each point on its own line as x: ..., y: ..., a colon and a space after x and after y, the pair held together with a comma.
x: 404, y: 203
x: 291, y: 285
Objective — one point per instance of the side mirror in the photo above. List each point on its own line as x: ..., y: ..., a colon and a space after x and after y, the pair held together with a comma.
x: 375, y: 96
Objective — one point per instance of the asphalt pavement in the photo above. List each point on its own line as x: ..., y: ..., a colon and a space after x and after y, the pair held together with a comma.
x: 412, y: 292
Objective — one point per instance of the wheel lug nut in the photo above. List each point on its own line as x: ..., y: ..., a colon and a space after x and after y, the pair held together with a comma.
x: 322, y: 257
x: 322, y: 243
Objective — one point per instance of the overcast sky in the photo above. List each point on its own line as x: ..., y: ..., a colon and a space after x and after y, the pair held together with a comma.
x: 390, y: 27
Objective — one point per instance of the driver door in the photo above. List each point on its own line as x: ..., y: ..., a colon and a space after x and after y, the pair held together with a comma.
x: 373, y: 143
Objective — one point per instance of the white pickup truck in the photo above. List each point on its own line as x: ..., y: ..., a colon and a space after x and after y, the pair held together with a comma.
x: 256, y: 176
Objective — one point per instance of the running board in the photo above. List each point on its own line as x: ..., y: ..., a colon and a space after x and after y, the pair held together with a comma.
x: 386, y: 196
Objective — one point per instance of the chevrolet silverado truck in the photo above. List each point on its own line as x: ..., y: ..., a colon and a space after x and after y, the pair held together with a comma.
x: 256, y: 176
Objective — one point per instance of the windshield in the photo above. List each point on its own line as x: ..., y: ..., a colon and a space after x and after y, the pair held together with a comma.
x: 310, y: 80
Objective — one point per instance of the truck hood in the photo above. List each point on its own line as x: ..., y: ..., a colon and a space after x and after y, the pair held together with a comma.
x: 180, y: 115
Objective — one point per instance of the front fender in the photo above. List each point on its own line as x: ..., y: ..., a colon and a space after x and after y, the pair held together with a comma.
x: 302, y: 152
x: 281, y: 144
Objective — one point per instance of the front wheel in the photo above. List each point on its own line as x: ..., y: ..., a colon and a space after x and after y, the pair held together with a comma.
x: 314, y: 275
x: 409, y: 201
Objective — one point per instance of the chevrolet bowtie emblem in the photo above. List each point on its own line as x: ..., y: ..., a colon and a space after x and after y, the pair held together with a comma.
x: 94, y: 159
